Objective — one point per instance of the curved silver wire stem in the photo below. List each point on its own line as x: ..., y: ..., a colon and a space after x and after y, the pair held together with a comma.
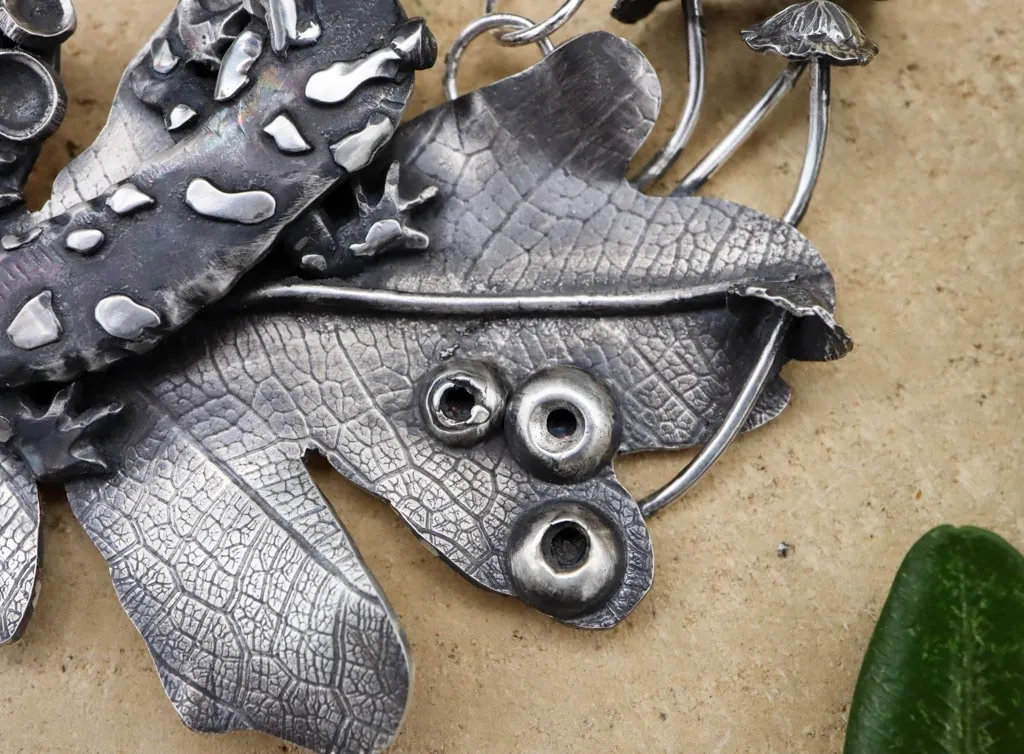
x: 766, y: 367
x: 377, y: 301
x: 821, y: 85
x: 728, y: 146
x: 770, y: 359
x: 667, y: 156
x: 474, y: 30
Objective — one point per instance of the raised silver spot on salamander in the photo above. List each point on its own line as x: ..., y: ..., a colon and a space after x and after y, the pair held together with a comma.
x: 356, y: 151
x: 164, y: 60
x: 125, y: 319
x: 237, y: 62
x: 246, y: 207
x: 35, y: 325
x: 84, y: 241
x: 128, y: 199
x: 339, y: 81
x: 286, y: 135
x: 314, y: 263
x: 282, y: 18
x: 180, y: 117
x: 309, y: 36
x: 13, y: 242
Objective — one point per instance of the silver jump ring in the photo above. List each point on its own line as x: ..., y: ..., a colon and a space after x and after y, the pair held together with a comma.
x: 537, y: 32
x: 483, y: 25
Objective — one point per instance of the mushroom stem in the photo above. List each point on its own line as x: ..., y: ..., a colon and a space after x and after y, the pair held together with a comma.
x: 728, y: 146
x: 821, y: 77
x: 772, y: 352
x: 666, y: 157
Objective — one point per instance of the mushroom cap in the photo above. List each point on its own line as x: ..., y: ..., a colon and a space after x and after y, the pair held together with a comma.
x: 813, y: 29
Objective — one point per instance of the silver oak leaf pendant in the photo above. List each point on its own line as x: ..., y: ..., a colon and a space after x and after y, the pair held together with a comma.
x: 522, y: 317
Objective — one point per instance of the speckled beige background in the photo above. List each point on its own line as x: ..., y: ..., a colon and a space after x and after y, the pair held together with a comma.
x: 735, y: 650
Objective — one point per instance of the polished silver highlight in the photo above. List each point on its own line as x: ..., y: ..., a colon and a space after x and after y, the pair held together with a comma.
x: 286, y: 135
x: 340, y: 81
x: 817, y: 136
x: 245, y: 207
x: 767, y: 365
x: 718, y: 155
x: 15, y: 241
x: 356, y: 151
x: 566, y: 558
x: 85, y: 241
x: 390, y: 234
x: 463, y: 402
x: 563, y: 425
x: 180, y: 116
x: 539, y: 31
x: 474, y: 30
x: 238, y: 61
x: 164, y: 59
x: 666, y: 157
x: 388, y: 222
x: 128, y: 199
x: 353, y: 299
x: 123, y: 318
x: 309, y: 36
x: 35, y: 325
x: 314, y: 263
x: 282, y: 17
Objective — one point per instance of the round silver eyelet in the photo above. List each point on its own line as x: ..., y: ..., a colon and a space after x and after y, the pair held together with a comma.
x: 33, y: 102
x: 463, y: 402
x: 562, y: 425
x: 566, y: 559
x: 41, y: 26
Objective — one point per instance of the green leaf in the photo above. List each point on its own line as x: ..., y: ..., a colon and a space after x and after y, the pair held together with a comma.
x: 944, y: 673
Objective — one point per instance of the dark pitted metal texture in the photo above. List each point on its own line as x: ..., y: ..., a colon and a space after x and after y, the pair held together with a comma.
x: 220, y: 187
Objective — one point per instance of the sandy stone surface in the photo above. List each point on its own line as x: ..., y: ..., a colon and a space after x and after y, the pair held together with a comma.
x: 735, y: 649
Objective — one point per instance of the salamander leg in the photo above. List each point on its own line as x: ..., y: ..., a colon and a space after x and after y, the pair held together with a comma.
x: 56, y: 442
x: 324, y: 247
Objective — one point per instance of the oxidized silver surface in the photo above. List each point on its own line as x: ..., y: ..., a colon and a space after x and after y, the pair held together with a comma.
x: 471, y: 329
x: 221, y: 189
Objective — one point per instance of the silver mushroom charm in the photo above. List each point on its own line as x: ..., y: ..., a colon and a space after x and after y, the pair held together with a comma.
x: 823, y: 33
x: 818, y: 32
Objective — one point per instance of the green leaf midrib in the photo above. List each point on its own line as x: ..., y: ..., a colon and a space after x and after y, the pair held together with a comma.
x: 944, y: 673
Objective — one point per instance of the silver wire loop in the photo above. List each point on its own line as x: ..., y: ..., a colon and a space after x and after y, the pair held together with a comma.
x: 481, y: 26
x: 536, y: 32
